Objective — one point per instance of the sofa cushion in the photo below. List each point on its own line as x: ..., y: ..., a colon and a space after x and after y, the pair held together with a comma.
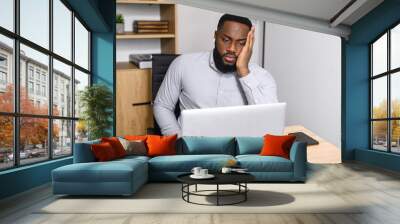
x: 116, y: 145
x: 133, y: 158
x: 161, y: 145
x: 277, y: 145
x: 111, y: 171
x: 185, y: 163
x: 195, y: 145
x: 134, y: 147
x: 135, y: 137
x: 249, y: 145
x: 103, y: 152
x: 257, y: 163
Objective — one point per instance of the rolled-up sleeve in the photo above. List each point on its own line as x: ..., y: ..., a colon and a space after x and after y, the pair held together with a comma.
x: 166, y: 99
x: 259, y: 87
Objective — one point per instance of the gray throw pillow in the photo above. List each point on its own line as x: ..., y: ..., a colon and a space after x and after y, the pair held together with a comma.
x: 137, y: 147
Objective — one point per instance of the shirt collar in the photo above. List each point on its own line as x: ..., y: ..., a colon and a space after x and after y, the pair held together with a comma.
x: 211, y: 62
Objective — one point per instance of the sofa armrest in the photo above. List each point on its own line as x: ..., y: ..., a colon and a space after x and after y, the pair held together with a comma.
x: 298, y: 155
x: 83, y: 152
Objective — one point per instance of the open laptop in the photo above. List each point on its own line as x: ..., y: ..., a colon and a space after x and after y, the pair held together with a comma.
x: 251, y: 120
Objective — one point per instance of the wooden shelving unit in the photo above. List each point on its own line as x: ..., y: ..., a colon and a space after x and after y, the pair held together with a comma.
x: 126, y: 66
x: 133, y: 85
x: 157, y: 2
x: 131, y: 35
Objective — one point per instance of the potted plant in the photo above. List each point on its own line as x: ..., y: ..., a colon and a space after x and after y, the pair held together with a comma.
x: 120, y: 23
x: 96, y: 102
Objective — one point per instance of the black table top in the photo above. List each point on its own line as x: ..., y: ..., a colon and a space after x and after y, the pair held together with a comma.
x: 220, y: 178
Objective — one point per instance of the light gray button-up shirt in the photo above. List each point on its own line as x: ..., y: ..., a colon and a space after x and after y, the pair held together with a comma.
x: 197, y: 83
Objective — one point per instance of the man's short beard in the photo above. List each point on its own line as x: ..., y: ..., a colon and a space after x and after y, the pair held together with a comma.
x: 219, y: 63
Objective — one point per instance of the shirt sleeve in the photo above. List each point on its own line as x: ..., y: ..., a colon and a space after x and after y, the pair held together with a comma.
x: 259, y: 87
x: 166, y: 99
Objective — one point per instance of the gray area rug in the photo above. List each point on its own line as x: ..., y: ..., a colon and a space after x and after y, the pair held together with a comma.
x: 166, y: 198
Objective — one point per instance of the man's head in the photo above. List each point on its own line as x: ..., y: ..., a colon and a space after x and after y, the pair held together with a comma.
x: 230, y: 38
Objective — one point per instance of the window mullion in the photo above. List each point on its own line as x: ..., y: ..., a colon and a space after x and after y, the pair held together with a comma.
x: 388, y: 95
x: 73, y: 82
x: 370, y: 98
x: 50, y: 81
x: 16, y: 84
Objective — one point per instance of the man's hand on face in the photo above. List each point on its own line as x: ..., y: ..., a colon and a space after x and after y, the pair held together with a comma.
x: 242, y: 63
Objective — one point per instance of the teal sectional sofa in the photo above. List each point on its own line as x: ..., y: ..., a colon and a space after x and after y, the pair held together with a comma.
x: 125, y: 176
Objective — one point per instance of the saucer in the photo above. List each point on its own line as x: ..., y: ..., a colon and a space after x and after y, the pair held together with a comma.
x: 208, y: 176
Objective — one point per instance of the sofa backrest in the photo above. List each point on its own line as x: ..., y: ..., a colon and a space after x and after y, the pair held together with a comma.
x: 249, y: 145
x: 194, y: 145
x: 83, y: 152
x: 190, y: 145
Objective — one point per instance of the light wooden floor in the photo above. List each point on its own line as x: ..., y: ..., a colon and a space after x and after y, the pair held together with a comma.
x: 323, y: 153
x: 377, y: 188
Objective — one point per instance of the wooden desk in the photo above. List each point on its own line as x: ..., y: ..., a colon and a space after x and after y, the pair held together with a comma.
x: 323, y: 153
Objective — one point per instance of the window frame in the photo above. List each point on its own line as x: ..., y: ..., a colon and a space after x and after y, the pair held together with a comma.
x: 388, y: 74
x: 16, y: 114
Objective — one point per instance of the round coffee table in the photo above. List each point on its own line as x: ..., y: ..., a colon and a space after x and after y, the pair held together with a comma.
x: 238, y: 179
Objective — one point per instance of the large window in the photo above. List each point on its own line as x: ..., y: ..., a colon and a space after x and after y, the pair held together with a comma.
x: 44, y: 64
x: 385, y: 91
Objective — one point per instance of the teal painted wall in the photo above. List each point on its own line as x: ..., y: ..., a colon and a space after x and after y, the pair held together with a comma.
x: 103, y: 63
x: 103, y: 52
x: 99, y: 15
x: 355, y: 123
x: 24, y: 178
x: 380, y: 159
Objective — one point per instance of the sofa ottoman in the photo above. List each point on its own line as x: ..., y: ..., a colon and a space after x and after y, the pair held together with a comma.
x: 86, y: 177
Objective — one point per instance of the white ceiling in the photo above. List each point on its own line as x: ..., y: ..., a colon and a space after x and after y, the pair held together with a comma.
x: 315, y: 15
x: 319, y: 9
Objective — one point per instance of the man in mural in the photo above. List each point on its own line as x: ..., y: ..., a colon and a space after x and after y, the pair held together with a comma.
x: 222, y: 77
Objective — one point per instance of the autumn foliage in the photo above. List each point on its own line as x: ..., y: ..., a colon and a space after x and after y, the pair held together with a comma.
x: 380, y: 127
x: 33, y: 131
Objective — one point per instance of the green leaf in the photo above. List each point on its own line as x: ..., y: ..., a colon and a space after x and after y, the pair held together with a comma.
x: 96, y: 102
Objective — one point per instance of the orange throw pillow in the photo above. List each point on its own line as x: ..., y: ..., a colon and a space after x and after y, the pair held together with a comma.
x: 161, y: 145
x: 116, y: 145
x: 135, y: 137
x: 103, y: 151
x: 275, y: 145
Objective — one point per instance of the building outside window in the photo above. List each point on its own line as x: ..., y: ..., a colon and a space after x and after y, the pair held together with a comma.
x: 30, y: 87
x: 3, y: 70
x: 3, y: 61
x: 43, y: 77
x: 43, y: 90
x: 38, y: 89
x: 55, y: 96
x: 30, y: 72
x: 3, y: 78
x: 37, y: 75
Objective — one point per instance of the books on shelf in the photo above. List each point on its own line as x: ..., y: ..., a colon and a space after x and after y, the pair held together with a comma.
x: 151, y: 22
x: 150, y: 26
x: 141, y: 60
x: 151, y: 31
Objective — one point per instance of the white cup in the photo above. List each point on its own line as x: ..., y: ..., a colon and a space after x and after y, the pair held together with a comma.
x: 203, y: 172
x: 196, y: 171
x: 226, y: 170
